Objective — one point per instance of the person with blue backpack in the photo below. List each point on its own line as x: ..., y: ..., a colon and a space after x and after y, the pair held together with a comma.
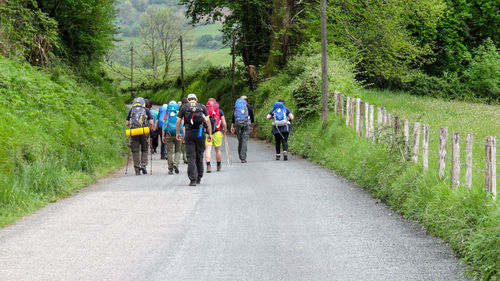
x: 281, y: 116
x: 169, y: 138
x: 162, y: 114
x: 243, y: 120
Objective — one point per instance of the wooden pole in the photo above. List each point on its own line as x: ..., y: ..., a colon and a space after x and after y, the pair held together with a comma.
x: 353, y: 106
x: 182, y: 67
x: 406, y: 135
x: 358, y: 116
x: 131, y: 72
x: 342, y: 106
x: 372, y: 129
x: 348, y: 111
x: 397, y: 125
x: 425, y: 147
x: 491, y: 166
x: 379, y: 122
x: 233, y: 50
x: 455, y: 160
x: 468, y: 161
x: 443, y: 135
x: 367, y: 120
x: 416, y: 141
x: 324, y: 65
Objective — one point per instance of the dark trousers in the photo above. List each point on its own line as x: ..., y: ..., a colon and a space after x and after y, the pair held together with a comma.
x: 154, y: 138
x: 163, y: 147
x: 194, y: 151
x: 242, y: 132
x: 139, y: 147
x: 281, y: 139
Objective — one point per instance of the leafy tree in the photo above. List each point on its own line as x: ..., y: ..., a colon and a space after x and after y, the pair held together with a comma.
x: 85, y: 27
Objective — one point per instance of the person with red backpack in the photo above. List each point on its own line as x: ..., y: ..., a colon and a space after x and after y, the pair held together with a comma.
x: 218, y: 122
x: 281, y: 116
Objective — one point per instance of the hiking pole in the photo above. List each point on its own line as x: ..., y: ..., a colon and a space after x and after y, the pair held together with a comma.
x: 228, y: 155
x: 128, y: 158
x: 151, y: 152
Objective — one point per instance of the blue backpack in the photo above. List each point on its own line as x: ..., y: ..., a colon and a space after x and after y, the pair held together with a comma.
x: 161, y: 116
x: 241, y: 111
x: 171, y: 120
x: 280, y: 118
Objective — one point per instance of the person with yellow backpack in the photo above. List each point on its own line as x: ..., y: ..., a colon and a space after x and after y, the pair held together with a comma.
x: 139, y: 117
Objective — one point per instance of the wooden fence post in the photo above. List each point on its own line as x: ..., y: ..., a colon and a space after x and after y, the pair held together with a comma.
x: 425, y: 147
x: 337, y: 100
x: 397, y: 125
x: 443, y: 135
x: 353, y: 107
x: 491, y: 166
x: 367, y: 120
x: 348, y: 111
x: 358, y: 116
x: 406, y: 134
x: 416, y: 141
x: 372, y: 128
x: 342, y: 106
x: 379, y: 122
x: 455, y: 160
x: 468, y: 161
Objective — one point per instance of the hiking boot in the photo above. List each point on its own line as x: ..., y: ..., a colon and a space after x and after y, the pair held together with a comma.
x: 163, y: 158
x: 198, y: 181
x: 176, y: 170
x: 243, y: 161
x: 218, y: 167
x: 285, y: 156
x: 137, y: 172
x: 192, y: 183
x: 277, y: 157
x: 144, y: 171
x: 209, y: 169
x: 170, y: 172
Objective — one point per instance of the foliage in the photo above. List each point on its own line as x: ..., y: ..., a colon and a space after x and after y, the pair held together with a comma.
x: 85, y: 28
x: 75, y: 135
x: 22, y: 24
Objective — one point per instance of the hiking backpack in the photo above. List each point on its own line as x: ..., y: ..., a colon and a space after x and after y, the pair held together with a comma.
x: 280, y: 118
x: 196, y: 116
x: 214, y: 113
x: 138, y: 115
x: 171, y: 120
x: 162, y: 113
x: 241, y: 111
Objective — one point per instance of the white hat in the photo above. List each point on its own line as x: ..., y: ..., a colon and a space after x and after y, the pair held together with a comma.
x: 172, y: 102
x: 192, y: 96
x: 165, y: 105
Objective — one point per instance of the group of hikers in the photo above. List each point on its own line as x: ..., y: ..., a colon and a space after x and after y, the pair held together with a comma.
x: 190, y: 128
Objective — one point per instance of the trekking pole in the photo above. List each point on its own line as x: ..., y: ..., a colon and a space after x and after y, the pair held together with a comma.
x: 228, y: 155
x: 151, y: 152
x: 128, y: 159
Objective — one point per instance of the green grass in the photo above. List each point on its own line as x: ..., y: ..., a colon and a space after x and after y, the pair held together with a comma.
x: 208, y: 29
x: 57, y: 136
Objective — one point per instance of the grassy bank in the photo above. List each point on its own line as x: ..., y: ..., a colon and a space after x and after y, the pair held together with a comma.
x: 57, y: 135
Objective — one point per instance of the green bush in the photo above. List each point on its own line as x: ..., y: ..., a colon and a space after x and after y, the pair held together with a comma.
x: 57, y: 135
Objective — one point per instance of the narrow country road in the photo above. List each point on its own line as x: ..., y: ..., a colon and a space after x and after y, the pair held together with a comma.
x: 264, y: 220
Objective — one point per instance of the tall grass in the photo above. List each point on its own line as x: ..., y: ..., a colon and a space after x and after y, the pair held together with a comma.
x: 57, y: 135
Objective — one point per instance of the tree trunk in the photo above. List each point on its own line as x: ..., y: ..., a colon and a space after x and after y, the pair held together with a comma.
x: 275, y: 51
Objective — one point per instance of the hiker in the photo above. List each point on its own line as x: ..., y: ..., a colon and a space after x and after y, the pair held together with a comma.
x: 162, y: 114
x: 183, y: 144
x: 169, y: 137
x: 195, y: 116
x: 139, y: 117
x: 155, y: 130
x: 243, y: 120
x: 218, y: 122
x: 281, y: 127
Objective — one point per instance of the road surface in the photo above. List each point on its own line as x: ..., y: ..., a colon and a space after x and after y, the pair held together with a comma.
x: 263, y: 220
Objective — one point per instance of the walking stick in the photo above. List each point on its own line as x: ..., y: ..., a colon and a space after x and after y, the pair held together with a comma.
x: 228, y: 155
x: 128, y: 159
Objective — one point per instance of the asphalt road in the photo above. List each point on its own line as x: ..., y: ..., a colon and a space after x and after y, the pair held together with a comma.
x: 263, y: 220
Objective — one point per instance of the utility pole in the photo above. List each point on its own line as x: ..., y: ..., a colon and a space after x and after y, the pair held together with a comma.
x: 324, y: 69
x: 232, y: 65
x: 182, y: 68
x: 131, y: 71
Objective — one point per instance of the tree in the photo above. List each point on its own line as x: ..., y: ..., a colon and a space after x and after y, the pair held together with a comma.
x: 160, y: 32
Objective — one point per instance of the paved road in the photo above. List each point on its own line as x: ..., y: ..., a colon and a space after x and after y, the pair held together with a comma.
x: 264, y: 220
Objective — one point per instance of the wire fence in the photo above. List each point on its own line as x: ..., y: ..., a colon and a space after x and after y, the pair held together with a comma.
x: 376, y: 124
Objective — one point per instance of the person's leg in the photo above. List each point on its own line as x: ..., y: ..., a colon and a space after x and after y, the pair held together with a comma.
x: 169, y: 143
x: 244, y: 142
x: 200, y: 149
x: 239, y: 135
x: 183, y: 149
x: 154, y: 136
x: 135, y: 147
x: 277, y: 139
x: 191, y: 157
x: 177, y: 149
x: 162, y: 147
x: 208, y: 151
x: 144, y: 139
x: 285, y: 146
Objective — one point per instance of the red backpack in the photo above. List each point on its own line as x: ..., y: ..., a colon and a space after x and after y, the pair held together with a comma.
x: 214, y: 113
